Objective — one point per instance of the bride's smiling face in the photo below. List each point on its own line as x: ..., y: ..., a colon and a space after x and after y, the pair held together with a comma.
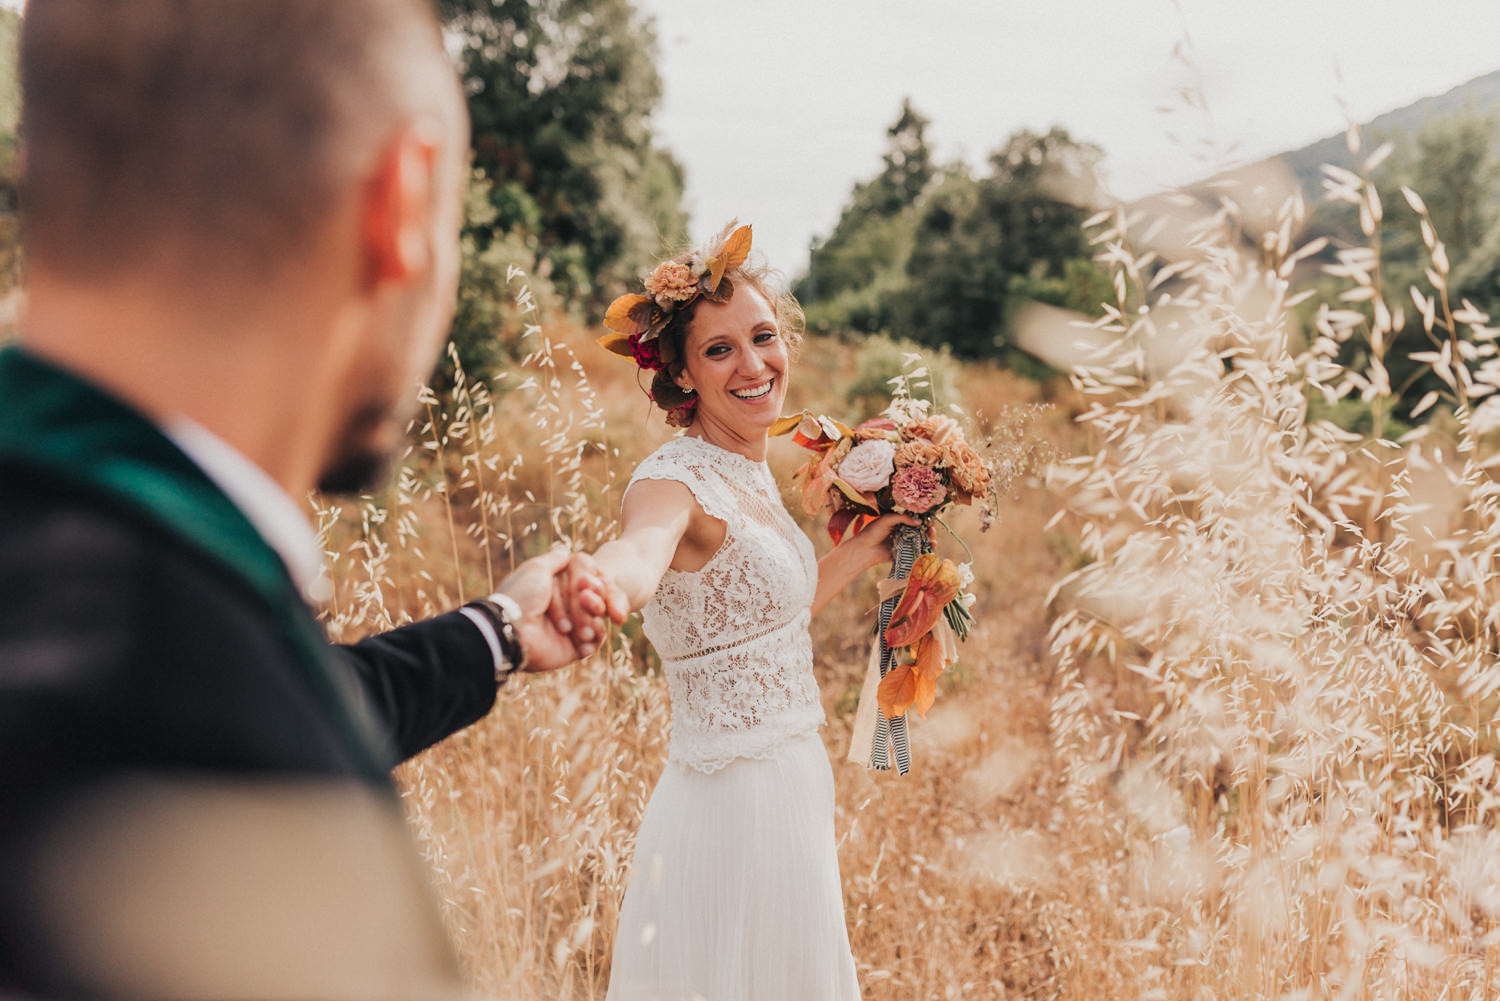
x: 735, y: 359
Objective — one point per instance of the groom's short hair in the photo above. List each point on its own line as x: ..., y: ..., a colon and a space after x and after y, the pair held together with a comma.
x: 196, y: 134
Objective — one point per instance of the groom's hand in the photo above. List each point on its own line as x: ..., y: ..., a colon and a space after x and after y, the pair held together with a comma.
x: 553, y: 632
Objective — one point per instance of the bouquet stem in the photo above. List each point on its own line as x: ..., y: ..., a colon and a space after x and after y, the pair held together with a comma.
x: 886, y: 738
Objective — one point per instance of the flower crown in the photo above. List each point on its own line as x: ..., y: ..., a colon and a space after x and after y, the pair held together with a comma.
x: 636, y: 321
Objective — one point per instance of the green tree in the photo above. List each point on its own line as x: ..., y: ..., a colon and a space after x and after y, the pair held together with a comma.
x: 853, y: 274
x: 561, y: 94
x: 1477, y: 278
x: 908, y: 162
x: 982, y: 244
x: 1454, y: 164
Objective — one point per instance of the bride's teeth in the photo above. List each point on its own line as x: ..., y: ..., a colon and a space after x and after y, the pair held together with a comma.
x: 755, y: 395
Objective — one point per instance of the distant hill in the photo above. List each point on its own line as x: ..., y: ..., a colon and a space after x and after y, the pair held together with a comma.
x: 1480, y: 94
x: 1263, y: 185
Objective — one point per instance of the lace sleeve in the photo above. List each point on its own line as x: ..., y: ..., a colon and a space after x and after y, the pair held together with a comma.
x: 679, y: 463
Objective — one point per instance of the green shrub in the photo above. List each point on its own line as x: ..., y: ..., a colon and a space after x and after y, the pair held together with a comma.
x: 934, y: 373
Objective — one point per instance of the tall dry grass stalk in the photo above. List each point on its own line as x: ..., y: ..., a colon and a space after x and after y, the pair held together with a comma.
x: 1277, y: 667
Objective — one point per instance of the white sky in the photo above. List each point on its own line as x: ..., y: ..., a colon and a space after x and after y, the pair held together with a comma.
x: 776, y: 107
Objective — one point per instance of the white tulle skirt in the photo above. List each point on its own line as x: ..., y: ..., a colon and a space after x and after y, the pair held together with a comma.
x: 735, y: 894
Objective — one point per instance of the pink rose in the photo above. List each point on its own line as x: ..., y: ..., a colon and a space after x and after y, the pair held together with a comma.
x: 869, y: 465
x: 919, y: 489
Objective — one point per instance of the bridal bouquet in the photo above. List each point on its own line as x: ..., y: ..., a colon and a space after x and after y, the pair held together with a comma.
x: 907, y: 461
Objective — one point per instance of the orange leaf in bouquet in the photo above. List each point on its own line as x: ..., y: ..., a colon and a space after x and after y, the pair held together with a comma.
x: 914, y: 684
x: 875, y: 427
x: 931, y: 658
x: 848, y: 520
x: 819, y: 433
x: 857, y: 496
x: 784, y: 425
x: 898, y: 690
x: 816, y: 477
x: 932, y: 584
x: 929, y: 664
x: 813, y: 432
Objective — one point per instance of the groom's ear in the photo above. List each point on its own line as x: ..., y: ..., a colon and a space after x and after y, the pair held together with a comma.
x: 397, y: 204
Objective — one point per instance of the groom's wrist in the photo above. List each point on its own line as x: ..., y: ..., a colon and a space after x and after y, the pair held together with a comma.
x: 498, y: 619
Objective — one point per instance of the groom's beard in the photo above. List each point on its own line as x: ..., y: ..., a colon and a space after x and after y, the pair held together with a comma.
x: 362, y: 460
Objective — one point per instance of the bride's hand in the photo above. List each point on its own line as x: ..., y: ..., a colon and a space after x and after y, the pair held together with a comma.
x: 582, y: 596
x: 856, y: 553
x: 871, y: 545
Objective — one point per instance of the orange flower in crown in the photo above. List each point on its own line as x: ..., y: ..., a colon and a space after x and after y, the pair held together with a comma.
x: 636, y: 321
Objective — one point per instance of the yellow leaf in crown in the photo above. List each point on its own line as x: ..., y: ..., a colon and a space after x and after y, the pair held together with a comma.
x: 730, y: 256
x: 735, y: 249
x: 618, y: 343
x: 630, y: 314
x: 933, y: 583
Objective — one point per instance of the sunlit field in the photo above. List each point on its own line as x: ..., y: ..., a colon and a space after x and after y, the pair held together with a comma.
x: 1223, y: 728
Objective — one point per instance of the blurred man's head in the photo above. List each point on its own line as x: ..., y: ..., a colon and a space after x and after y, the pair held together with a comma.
x: 230, y: 146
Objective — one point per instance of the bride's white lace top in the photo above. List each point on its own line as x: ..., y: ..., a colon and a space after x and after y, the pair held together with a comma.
x: 733, y: 635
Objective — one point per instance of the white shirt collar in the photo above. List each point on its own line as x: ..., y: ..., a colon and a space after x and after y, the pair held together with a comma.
x: 279, y: 519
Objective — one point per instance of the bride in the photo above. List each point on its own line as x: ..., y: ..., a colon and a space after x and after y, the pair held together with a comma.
x: 735, y: 892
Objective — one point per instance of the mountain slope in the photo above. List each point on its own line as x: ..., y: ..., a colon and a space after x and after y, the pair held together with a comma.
x: 1480, y: 94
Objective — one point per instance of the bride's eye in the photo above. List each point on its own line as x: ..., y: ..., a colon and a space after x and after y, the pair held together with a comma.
x: 765, y: 336
x: 717, y: 351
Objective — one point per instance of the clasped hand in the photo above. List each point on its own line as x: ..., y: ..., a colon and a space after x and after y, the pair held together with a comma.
x: 564, y: 601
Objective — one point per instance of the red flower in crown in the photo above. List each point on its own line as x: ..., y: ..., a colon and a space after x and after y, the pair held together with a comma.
x: 647, y: 353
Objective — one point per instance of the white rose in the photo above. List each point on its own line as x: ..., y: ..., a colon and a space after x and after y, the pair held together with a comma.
x: 869, y: 465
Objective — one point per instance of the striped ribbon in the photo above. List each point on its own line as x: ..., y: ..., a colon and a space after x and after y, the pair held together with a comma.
x: 890, y: 734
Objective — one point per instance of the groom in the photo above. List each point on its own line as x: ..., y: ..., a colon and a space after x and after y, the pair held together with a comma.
x: 240, y: 226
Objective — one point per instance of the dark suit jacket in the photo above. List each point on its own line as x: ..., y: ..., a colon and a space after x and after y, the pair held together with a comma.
x: 131, y: 658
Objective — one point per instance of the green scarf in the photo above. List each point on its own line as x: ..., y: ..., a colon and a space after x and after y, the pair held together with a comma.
x: 74, y: 432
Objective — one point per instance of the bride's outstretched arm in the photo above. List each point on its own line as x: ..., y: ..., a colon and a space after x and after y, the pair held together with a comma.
x: 857, y: 553
x: 656, y: 516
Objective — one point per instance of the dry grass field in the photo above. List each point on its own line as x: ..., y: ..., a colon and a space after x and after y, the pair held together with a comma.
x: 1223, y: 729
